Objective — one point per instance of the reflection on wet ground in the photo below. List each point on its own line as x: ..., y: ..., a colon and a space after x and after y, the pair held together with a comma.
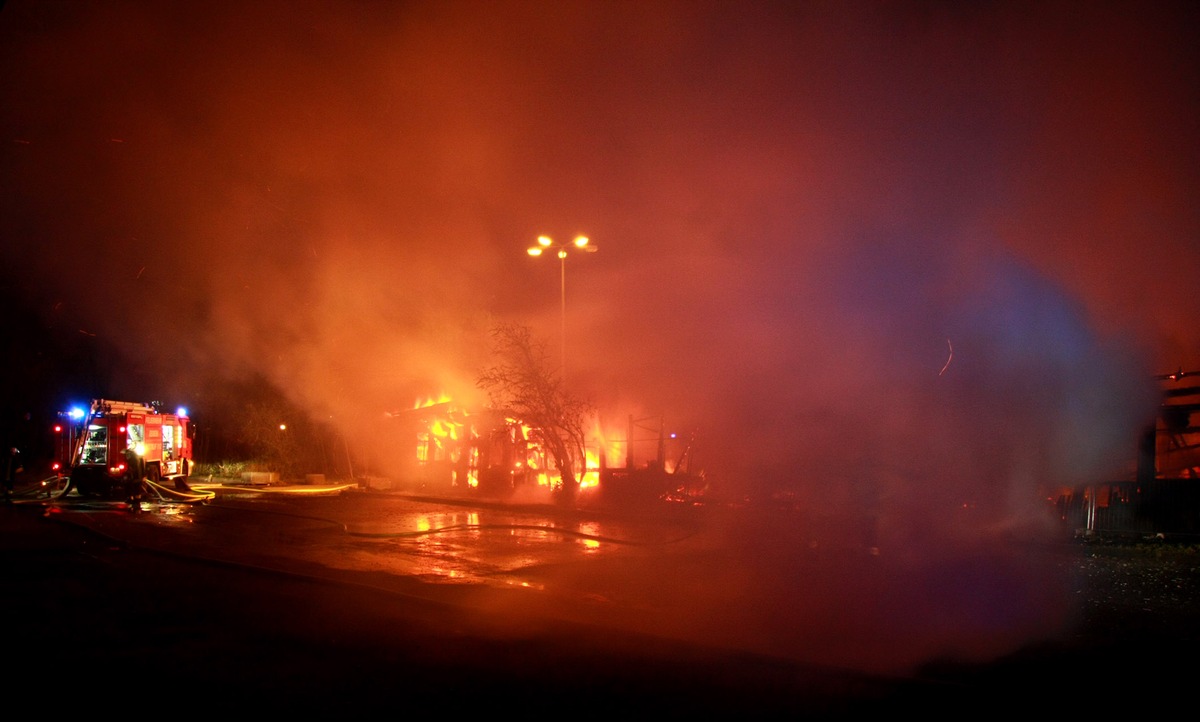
x: 762, y: 591
x: 434, y: 541
x: 760, y: 583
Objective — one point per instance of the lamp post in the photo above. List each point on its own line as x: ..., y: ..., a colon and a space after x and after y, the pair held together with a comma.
x: 580, y: 244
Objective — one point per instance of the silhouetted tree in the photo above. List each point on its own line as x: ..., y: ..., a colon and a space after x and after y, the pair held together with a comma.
x: 523, y: 385
x: 265, y: 431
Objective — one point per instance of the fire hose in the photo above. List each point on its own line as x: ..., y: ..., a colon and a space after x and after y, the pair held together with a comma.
x: 177, y: 494
x: 57, y: 488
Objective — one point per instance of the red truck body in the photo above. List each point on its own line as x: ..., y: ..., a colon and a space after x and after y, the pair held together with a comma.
x: 113, y: 431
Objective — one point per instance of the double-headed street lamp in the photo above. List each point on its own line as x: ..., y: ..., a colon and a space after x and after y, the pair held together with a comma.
x: 580, y: 244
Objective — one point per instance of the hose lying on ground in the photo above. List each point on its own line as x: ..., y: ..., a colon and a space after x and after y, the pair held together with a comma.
x: 57, y: 488
x: 181, y: 492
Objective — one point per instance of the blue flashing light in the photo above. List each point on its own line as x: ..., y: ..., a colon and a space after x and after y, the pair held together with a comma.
x: 181, y: 411
x: 76, y: 413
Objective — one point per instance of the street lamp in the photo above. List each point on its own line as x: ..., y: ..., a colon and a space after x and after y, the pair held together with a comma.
x: 580, y: 244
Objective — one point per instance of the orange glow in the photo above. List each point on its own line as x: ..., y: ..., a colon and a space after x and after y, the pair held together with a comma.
x: 443, y: 398
x: 447, y: 439
x: 452, y: 446
x: 609, y: 444
x: 602, y: 448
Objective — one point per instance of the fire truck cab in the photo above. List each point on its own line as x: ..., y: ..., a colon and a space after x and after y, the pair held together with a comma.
x: 115, y: 432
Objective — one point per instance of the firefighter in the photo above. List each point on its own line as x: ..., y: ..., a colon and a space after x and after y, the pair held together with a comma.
x: 135, y: 473
x: 12, y: 467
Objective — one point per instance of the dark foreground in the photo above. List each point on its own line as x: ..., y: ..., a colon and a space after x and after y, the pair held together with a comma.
x: 92, y: 624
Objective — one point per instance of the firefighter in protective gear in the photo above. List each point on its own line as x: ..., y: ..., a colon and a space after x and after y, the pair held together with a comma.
x: 135, y: 474
x: 12, y: 467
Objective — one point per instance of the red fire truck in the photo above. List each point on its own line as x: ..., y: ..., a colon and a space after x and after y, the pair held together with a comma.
x: 114, y: 433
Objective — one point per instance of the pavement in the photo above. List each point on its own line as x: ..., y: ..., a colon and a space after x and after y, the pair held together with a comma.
x: 93, y: 621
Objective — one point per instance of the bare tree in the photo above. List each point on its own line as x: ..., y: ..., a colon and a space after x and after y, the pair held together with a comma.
x: 524, y: 386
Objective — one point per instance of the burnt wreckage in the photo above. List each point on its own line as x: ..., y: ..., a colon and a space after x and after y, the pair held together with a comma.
x: 1162, y: 496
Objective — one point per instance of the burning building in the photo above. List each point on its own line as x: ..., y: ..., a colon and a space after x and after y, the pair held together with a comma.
x: 1161, y: 494
x: 448, y: 448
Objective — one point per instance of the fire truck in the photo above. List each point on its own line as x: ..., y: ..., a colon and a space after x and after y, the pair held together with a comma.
x: 112, y: 435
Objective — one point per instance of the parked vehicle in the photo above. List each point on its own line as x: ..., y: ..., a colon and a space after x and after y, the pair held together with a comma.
x: 116, y: 438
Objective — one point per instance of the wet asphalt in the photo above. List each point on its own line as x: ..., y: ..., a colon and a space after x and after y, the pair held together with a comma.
x: 94, y: 622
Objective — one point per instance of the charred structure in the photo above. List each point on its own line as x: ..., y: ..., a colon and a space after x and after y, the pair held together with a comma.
x: 658, y: 477
x: 1161, y: 495
x: 446, y: 448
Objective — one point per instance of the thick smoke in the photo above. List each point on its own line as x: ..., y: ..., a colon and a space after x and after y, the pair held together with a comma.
x: 886, y: 260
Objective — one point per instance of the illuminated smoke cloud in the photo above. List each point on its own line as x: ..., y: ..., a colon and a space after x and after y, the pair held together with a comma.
x: 802, y: 210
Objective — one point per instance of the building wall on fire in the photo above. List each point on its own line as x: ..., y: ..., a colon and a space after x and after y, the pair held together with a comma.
x: 449, y: 448
x: 1177, y: 437
x: 504, y: 459
x: 1162, y: 495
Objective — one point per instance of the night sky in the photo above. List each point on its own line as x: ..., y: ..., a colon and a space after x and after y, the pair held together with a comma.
x: 943, y: 247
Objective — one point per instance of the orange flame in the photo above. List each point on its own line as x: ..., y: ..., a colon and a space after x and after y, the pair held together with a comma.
x: 442, y: 398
